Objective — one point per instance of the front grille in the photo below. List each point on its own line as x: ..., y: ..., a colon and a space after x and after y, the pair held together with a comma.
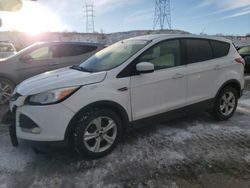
x: 26, y: 123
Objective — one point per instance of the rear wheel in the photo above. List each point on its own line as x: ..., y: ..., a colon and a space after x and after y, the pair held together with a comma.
x: 6, y: 89
x: 97, y: 133
x: 225, y: 104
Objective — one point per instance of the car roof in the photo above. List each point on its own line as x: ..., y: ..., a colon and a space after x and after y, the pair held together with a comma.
x: 70, y: 42
x: 5, y: 42
x: 169, y: 36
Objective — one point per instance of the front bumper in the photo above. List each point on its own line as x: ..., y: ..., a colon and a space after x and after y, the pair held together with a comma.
x: 40, y: 123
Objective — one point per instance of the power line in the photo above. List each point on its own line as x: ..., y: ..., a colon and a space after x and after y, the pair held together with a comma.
x: 162, y: 14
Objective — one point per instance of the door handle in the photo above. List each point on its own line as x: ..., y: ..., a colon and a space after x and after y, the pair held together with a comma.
x: 217, y: 67
x: 178, y: 75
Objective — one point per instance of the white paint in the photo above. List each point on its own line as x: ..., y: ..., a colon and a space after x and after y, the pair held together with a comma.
x: 148, y: 94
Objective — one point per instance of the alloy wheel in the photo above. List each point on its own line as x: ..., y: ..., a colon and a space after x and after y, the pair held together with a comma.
x: 227, y: 103
x: 100, y: 134
x: 5, y: 92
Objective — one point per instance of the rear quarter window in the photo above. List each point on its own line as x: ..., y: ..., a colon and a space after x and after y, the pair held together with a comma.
x: 220, y: 49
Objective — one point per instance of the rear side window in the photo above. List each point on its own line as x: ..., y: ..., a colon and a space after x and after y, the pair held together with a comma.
x: 220, y: 49
x: 67, y: 50
x: 198, y: 50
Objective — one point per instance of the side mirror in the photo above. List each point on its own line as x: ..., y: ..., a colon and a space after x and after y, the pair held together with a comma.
x: 145, y: 67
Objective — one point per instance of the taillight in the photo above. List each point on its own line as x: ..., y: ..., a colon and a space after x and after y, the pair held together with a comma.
x: 240, y: 60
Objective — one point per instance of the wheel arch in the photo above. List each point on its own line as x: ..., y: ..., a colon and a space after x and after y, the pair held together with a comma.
x: 8, y: 77
x: 117, y: 108
x: 231, y: 83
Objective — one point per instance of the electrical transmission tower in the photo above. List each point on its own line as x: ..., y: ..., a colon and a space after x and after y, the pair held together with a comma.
x: 89, y: 15
x: 162, y: 14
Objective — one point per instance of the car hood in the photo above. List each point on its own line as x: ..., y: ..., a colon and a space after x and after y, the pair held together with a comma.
x: 60, y: 78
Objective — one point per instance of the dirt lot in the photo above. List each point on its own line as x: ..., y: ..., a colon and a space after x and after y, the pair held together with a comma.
x: 194, y: 151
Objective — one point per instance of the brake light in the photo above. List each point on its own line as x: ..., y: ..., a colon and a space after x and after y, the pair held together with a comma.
x: 240, y: 60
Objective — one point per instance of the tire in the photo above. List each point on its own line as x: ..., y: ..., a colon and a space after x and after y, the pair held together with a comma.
x: 97, y: 133
x: 225, y: 104
x: 6, y: 89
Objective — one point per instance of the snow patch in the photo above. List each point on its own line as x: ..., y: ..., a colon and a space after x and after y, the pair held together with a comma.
x: 245, y: 102
x: 247, y: 77
x: 247, y: 158
x: 197, y: 128
x: 182, y: 136
x: 13, y: 159
x: 172, y: 155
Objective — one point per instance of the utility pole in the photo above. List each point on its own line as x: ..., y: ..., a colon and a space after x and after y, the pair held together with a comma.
x: 162, y: 14
x: 89, y: 16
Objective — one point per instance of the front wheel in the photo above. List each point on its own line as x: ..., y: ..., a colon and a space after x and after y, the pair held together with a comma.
x: 6, y: 89
x: 225, y: 104
x: 97, y: 133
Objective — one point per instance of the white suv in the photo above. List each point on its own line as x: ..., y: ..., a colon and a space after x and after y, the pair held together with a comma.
x: 127, y: 84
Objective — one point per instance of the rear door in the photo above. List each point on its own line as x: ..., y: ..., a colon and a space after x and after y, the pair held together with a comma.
x: 36, y: 61
x: 204, y: 66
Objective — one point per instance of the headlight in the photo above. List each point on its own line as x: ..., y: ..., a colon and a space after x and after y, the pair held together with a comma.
x: 52, y: 96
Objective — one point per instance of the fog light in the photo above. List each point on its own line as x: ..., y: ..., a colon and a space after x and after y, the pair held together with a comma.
x: 36, y: 130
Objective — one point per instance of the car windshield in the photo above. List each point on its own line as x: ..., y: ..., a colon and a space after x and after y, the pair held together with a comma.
x: 113, y: 55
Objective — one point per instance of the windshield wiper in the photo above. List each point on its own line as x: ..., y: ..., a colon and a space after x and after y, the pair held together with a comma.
x: 77, y: 67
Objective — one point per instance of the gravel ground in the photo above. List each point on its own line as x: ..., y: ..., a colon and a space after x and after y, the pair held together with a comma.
x: 194, y: 151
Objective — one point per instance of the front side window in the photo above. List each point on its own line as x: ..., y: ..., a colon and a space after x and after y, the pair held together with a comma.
x: 113, y: 55
x: 163, y: 55
x: 198, y: 50
x: 42, y: 53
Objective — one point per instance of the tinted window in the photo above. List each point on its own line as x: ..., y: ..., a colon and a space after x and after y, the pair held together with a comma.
x: 220, y: 49
x: 245, y: 50
x: 67, y: 50
x: 198, y: 50
x: 163, y: 55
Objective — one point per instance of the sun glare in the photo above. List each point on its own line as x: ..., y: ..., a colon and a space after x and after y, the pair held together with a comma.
x: 33, y: 19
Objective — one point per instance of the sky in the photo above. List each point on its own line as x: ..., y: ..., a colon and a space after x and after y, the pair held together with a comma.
x: 195, y: 16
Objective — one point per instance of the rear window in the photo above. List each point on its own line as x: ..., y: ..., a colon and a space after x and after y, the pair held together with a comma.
x: 198, y: 50
x: 220, y: 49
x: 67, y: 50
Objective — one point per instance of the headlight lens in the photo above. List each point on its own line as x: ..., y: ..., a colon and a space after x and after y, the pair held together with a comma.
x: 52, y: 96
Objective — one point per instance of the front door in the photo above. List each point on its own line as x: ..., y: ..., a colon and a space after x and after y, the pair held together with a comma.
x: 35, y: 62
x: 165, y: 88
